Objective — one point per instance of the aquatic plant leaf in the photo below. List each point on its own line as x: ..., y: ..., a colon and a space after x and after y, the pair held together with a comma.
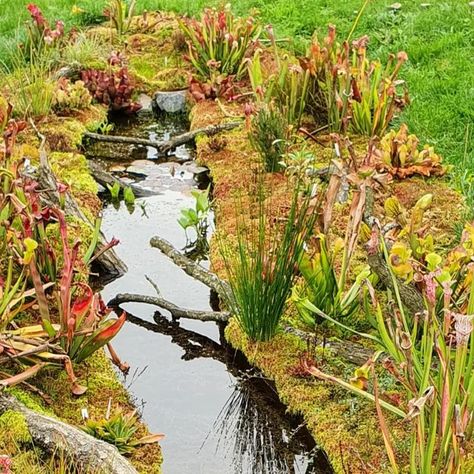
x: 128, y: 195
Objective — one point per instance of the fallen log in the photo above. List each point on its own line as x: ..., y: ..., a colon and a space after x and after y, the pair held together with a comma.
x: 409, y: 294
x: 176, y: 311
x: 56, y: 436
x: 192, y: 268
x: 165, y: 147
x: 108, y: 260
x: 106, y: 179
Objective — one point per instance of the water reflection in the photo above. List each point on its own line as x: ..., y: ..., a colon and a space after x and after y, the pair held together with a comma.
x: 253, y: 429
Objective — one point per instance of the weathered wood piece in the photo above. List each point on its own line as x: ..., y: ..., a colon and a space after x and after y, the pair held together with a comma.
x: 192, y: 268
x: 104, y: 178
x: 56, y: 436
x: 165, y: 147
x: 176, y: 311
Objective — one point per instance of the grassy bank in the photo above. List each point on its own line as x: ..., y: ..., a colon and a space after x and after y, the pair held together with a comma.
x: 438, y: 39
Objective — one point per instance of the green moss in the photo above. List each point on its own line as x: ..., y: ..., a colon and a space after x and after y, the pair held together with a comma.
x: 73, y: 170
x: 154, y: 72
x: 171, y: 79
x: 14, y: 424
x: 166, y: 32
x: 100, y: 378
x: 344, y: 426
x: 29, y: 400
x: 63, y: 134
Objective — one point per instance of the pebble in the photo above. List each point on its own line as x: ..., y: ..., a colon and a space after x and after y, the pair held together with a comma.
x: 117, y: 169
x: 395, y: 6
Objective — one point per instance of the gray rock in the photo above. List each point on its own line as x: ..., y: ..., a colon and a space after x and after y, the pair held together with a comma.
x: 171, y: 102
x: 138, y: 171
x: 147, y: 104
x: 195, y: 169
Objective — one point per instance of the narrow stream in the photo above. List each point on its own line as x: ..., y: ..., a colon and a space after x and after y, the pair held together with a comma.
x: 218, y: 414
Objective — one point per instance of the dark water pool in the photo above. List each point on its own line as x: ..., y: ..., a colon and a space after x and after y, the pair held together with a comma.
x: 218, y: 414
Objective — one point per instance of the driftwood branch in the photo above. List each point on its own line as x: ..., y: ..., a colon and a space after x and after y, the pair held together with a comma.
x: 409, y: 295
x: 192, y: 268
x: 108, y: 260
x: 353, y: 352
x: 176, y: 311
x: 53, y: 435
x: 166, y: 146
x: 106, y: 179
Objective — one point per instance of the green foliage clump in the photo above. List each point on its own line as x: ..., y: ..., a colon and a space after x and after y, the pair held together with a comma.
x: 197, y: 219
x: 85, y: 51
x: 13, y: 424
x: 71, y: 96
x: 269, y: 136
x: 120, y: 430
x: 262, y: 271
x: 219, y: 43
x: 351, y: 92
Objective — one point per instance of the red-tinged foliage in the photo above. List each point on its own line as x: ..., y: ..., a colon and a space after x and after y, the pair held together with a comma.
x: 40, y: 33
x: 224, y: 88
x: 113, y: 88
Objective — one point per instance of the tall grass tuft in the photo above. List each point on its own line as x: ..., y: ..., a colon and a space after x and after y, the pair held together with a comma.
x: 262, y: 270
x: 269, y: 136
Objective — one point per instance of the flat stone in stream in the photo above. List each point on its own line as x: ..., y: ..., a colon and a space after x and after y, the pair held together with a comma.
x: 193, y: 168
x: 127, y: 180
x: 117, y: 169
x: 139, y: 172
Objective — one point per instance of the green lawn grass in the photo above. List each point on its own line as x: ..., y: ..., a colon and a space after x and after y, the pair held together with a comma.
x: 439, y: 40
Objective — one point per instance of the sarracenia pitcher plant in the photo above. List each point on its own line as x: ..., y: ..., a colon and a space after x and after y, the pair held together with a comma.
x: 431, y: 356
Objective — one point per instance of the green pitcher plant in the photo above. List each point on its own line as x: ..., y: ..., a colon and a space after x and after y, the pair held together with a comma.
x: 431, y: 357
